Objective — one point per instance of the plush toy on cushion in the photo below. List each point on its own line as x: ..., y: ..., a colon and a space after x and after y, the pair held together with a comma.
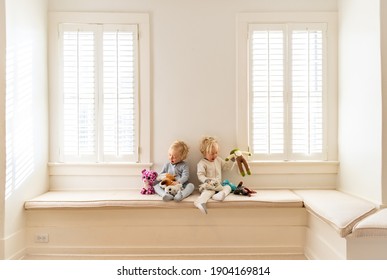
x: 166, y: 179
x: 173, y: 189
x: 242, y: 190
x: 170, y: 187
x: 237, y: 156
x: 228, y: 183
x: 148, y: 178
x: 211, y: 185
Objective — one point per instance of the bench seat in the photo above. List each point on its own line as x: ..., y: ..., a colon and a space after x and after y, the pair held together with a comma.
x: 374, y: 225
x: 339, y: 210
x: 324, y: 233
x: 133, y: 198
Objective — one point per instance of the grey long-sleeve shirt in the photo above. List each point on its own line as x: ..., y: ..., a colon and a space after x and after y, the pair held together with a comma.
x: 180, y: 170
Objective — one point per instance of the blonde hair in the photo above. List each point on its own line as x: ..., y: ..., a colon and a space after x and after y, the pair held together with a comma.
x: 207, y: 144
x: 181, y: 147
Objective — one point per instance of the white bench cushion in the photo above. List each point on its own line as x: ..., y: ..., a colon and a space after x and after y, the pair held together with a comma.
x: 340, y: 210
x: 133, y: 198
x: 373, y: 225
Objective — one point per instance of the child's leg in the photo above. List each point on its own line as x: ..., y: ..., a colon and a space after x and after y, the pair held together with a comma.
x: 160, y: 191
x: 201, y: 201
x: 189, y: 188
x: 220, y: 196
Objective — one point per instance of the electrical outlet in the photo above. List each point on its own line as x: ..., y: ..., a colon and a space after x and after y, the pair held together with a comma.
x: 41, y: 238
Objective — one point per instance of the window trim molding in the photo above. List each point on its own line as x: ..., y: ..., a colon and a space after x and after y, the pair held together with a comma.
x: 242, y: 74
x: 303, y: 167
x: 140, y: 19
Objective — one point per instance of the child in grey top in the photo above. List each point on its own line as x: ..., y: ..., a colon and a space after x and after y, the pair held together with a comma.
x: 176, y: 166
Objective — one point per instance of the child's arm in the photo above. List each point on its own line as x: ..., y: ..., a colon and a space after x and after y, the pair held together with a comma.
x: 162, y: 173
x: 165, y: 168
x: 184, y: 173
x: 202, y: 172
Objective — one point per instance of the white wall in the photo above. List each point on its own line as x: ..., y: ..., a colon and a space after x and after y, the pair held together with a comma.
x: 360, y: 107
x: 193, y: 53
x: 26, y: 114
x: 383, y: 34
x: 2, y: 124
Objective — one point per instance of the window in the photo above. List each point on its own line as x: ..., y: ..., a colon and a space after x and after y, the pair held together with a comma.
x: 286, y: 91
x: 99, y: 85
x: 99, y: 73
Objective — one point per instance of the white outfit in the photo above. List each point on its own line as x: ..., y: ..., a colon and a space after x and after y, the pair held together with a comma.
x: 207, y: 171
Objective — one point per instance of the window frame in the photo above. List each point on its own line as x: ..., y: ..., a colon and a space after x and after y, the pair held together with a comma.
x: 143, y: 102
x: 244, y: 21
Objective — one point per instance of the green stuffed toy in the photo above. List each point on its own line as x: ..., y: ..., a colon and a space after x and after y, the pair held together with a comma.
x: 237, y: 156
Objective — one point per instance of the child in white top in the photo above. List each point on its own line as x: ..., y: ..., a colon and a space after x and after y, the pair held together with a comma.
x: 176, y: 166
x: 209, y: 170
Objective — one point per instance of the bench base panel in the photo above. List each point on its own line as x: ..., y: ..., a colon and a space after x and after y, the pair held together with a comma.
x: 256, y: 233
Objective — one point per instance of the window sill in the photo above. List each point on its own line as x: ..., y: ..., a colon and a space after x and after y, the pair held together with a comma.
x: 97, y: 169
x: 134, y: 169
x: 294, y: 167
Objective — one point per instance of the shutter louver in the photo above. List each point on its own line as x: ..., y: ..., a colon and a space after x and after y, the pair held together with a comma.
x: 267, y: 87
x: 307, y: 93
x: 79, y: 93
x: 119, y: 93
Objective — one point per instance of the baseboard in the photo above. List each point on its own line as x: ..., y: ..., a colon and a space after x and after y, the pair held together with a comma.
x: 187, y: 253
x: 2, y: 249
x: 14, y: 246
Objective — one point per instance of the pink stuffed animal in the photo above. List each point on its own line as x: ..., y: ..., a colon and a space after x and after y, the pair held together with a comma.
x: 148, y: 178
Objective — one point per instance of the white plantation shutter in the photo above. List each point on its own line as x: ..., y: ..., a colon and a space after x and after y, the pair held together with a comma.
x: 267, y: 91
x: 79, y: 92
x: 307, y: 92
x: 99, y: 92
x: 119, y: 92
x: 287, y: 91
